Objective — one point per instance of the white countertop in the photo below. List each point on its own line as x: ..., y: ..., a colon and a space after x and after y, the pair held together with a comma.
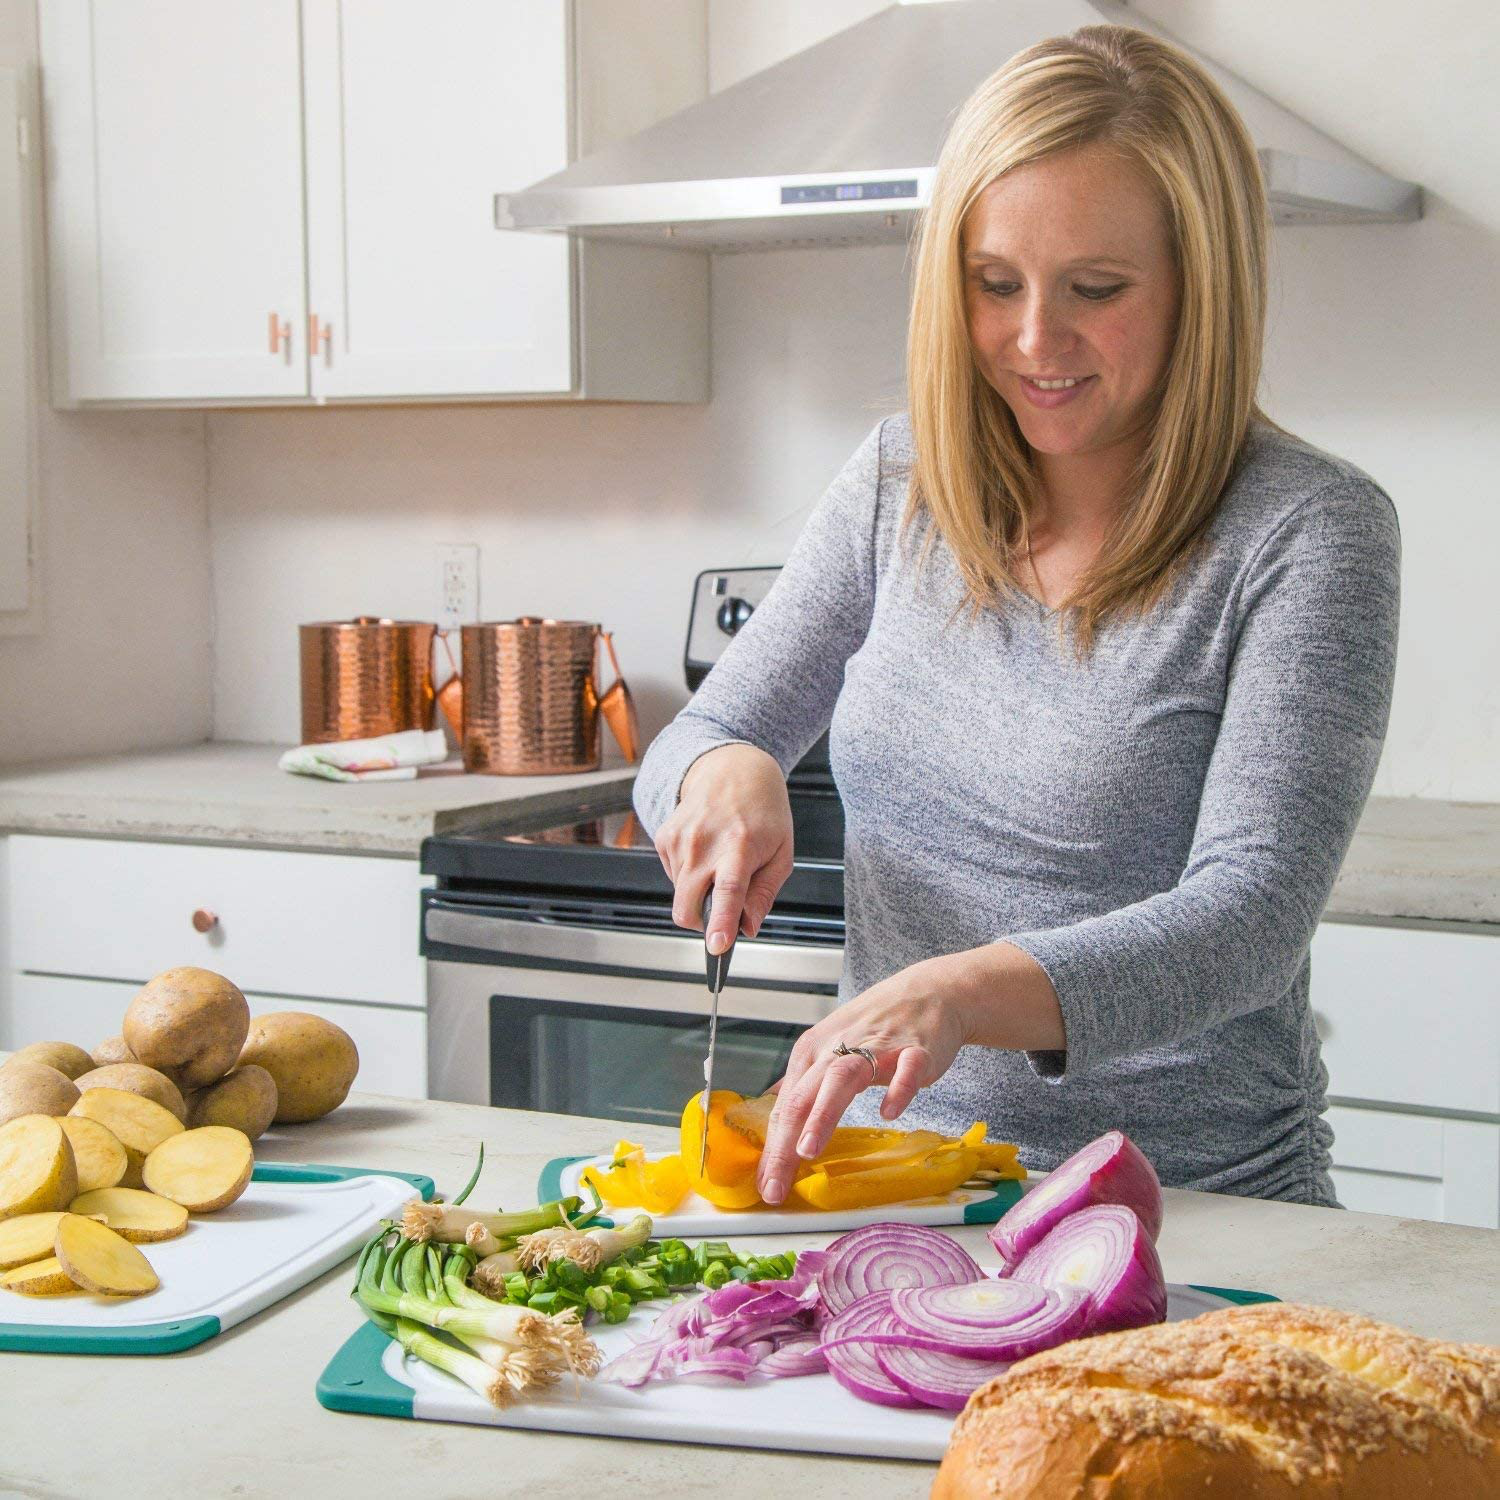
x: 1413, y: 858
x: 239, y: 1412
x: 232, y: 793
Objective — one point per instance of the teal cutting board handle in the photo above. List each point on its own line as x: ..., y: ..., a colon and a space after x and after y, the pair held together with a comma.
x: 179, y: 1333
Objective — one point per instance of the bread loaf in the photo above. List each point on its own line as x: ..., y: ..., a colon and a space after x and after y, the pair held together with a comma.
x: 1251, y: 1403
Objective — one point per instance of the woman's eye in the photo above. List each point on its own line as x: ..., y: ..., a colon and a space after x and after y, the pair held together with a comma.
x: 997, y: 288
x: 1098, y: 293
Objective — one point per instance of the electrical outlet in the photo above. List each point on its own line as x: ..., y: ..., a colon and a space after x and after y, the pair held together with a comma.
x: 458, y: 585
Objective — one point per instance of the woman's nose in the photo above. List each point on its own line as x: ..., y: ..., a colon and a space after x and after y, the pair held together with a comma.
x: 1043, y: 333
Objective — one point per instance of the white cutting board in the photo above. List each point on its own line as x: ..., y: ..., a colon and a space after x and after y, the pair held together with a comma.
x: 279, y: 1235
x: 806, y: 1413
x: 696, y: 1217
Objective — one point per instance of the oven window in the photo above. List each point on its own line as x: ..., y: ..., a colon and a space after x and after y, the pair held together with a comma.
x: 621, y: 1064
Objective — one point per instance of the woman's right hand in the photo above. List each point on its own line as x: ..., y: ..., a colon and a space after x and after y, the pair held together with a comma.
x: 732, y: 830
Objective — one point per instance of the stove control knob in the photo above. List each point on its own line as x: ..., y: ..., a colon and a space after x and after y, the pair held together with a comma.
x: 733, y: 613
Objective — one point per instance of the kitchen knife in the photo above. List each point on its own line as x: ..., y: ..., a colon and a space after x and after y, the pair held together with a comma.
x: 718, y: 971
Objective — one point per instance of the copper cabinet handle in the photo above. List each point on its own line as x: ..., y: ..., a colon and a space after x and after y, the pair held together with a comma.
x: 317, y: 331
x: 205, y: 920
x: 281, y: 334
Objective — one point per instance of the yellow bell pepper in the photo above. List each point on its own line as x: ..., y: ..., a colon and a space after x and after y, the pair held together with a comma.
x: 633, y: 1182
x: 728, y: 1177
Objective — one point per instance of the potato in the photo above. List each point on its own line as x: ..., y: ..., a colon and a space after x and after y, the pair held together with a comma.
x: 203, y: 1170
x: 191, y: 1022
x: 246, y: 1099
x: 69, y: 1060
x: 136, y: 1078
x: 41, y: 1278
x: 101, y: 1160
x: 112, y: 1050
x: 100, y: 1261
x: 312, y: 1061
x: 28, y: 1238
x: 134, y: 1215
x: 33, y: 1088
x: 139, y: 1124
x: 37, y: 1172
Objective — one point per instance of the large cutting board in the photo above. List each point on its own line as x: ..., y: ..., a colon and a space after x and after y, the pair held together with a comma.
x: 696, y: 1217
x: 808, y: 1414
x: 293, y: 1223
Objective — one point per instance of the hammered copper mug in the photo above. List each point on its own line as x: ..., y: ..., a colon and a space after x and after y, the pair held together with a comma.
x: 365, y: 677
x: 531, y: 702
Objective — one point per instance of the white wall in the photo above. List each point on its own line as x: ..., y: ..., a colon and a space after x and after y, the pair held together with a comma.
x: 115, y: 653
x: 1382, y: 348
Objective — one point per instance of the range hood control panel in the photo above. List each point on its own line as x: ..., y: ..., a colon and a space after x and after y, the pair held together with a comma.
x: 723, y: 601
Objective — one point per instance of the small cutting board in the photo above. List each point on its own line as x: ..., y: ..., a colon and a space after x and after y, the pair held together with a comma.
x: 806, y: 1414
x: 697, y: 1217
x: 293, y: 1223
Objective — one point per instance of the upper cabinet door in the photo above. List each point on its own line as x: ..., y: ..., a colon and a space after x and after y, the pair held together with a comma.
x: 416, y: 116
x: 175, y: 186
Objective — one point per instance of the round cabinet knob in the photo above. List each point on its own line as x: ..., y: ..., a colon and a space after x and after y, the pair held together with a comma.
x: 733, y: 613
x: 205, y: 920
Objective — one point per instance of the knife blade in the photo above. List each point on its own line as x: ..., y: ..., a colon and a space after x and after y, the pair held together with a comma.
x: 718, y: 970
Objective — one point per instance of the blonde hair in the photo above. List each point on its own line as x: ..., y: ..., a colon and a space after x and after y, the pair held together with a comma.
x: 973, y: 475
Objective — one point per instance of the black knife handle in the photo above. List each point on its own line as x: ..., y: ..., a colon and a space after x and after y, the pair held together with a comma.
x: 717, y: 963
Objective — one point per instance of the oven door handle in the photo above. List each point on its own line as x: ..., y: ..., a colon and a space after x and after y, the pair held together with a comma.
x: 547, y: 945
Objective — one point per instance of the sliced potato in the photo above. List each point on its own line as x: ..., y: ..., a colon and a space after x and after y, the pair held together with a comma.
x: 139, y: 1124
x: 27, y: 1238
x: 135, y: 1078
x: 203, y: 1169
x: 101, y: 1261
x: 33, y: 1088
x: 99, y: 1157
x: 37, y: 1171
x: 69, y: 1060
x: 133, y: 1214
x: 39, y: 1278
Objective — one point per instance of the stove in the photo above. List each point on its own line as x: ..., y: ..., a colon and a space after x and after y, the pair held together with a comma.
x: 557, y: 979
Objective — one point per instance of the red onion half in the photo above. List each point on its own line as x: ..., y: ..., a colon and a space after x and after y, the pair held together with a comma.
x: 986, y: 1320
x: 1110, y: 1169
x: 885, y: 1257
x: 1107, y: 1170
x: 934, y: 1379
x: 851, y: 1360
x: 1106, y: 1252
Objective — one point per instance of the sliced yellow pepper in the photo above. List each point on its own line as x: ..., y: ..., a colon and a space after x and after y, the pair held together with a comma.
x: 728, y: 1177
x: 633, y: 1182
x: 926, y: 1176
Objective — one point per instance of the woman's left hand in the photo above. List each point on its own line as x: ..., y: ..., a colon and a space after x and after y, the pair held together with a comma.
x: 913, y: 1023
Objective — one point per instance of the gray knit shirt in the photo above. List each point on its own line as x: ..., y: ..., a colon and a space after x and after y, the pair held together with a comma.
x: 1158, y: 824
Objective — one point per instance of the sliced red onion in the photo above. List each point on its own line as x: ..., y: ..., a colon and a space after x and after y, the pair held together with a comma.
x: 936, y: 1379
x: 991, y: 1320
x: 1110, y: 1169
x: 798, y: 1356
x: 852, y: 1362
x: 884, y: 1257
x: 1106, y: 1252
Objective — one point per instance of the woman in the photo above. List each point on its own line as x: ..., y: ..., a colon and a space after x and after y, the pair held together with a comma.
x: 1106, y: 655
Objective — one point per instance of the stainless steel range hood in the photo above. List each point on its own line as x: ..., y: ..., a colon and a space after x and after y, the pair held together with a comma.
x: 836, y: 144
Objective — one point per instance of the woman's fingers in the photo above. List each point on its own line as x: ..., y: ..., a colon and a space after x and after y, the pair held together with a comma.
x: 803, y: 1118
x: 913, y: 1072
x: 729, y: 890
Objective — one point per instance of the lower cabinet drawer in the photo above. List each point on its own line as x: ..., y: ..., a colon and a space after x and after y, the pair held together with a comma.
x: 1417, y: 1166
x: 392, y: 1040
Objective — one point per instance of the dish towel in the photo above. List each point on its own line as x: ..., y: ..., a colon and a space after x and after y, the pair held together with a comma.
x: 392, y: 757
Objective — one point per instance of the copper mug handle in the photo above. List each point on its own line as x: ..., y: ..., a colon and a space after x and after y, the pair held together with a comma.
x: 617, y: 707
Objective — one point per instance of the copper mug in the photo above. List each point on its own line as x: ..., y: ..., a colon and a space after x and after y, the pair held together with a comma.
x: 365, y: 677
x: 531, y: 704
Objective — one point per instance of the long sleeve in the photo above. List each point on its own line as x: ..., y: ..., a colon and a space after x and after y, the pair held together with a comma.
x: 777, y: 682
x: 1304, y: 717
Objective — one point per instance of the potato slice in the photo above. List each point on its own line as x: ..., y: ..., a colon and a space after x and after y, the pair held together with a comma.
x: 27, y: 1238
x: 203, y: 1169
x: 139, y: 1124
x: 100, y: 1158
x: 133, y: 1214
x: 39, y: 1278
x: 37, y: 1171
x: 101, y: 1261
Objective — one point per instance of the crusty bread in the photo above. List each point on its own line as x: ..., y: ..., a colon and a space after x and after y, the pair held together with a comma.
x: 1270, y: 1402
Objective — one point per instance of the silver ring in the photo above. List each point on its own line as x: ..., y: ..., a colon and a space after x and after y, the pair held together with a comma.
x: 844, y: 1050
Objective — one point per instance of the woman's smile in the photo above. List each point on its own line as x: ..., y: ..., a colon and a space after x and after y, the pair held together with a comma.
x: 1056, y: 392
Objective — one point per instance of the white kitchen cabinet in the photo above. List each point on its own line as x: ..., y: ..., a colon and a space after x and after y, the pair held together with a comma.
x: 1410, y: 1022
x: 88, y: 920
x: 265, y: 201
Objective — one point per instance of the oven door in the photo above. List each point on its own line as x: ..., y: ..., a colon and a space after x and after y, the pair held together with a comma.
x: 588, y: 1021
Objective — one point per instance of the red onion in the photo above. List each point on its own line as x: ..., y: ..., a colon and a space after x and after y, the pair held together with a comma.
x: 884, y: 1257
x: 796, y: 1356
x: 935, y: 1379
x: 987, y: 1319
x: 1106, y: 1252
x: 852, y: 1362
x: 1110, y: 1169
